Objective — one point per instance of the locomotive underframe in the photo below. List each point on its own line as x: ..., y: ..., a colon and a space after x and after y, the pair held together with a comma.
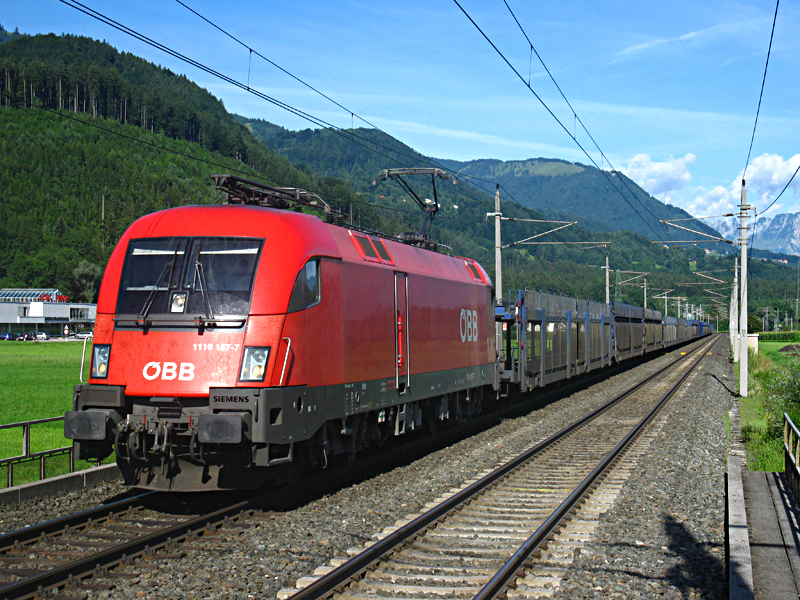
x: 243, y: 437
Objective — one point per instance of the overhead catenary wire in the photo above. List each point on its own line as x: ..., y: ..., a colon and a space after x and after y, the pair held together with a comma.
x: 575, y: 113
x: 227, y: 168
x: 753, y: 135
x: 788, y: 183
x: 419, y: 157
x: 296, y: 111
x: 552, y: 114
x: 277, y: 66
x: 365, y: 143
x: 761, y: 94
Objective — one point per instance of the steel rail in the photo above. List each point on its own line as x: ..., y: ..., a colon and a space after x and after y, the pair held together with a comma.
x: 12, y: 538
x: 94, y: 563
x: 336, y: 579
x: 498, y: 583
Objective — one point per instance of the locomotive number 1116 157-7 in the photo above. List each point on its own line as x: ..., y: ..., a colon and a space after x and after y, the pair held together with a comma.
x: 219, y: 347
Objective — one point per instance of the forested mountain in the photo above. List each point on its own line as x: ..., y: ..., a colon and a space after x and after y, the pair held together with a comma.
x: 82, y: 126
x: 82, y: 75
x: 6, y: 36
x: 608, y: 197
x: 557, y: 188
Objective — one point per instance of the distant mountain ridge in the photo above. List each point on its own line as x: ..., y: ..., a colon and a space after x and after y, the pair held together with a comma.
x: 57, y: 171
x: 780, y: 233
x: 550, y: 185
x: 556, y: 188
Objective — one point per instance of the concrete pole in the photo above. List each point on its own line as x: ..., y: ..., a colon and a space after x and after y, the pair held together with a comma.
x: 645, y: 292
x: 608, y: 290
x: 498, y: 271
x: 734, y: 321
x: 498, y: 267
x: 743, y: 303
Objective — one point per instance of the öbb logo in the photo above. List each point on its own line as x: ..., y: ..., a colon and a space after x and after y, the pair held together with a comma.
x: 168, y: 371
x: 469, y: 325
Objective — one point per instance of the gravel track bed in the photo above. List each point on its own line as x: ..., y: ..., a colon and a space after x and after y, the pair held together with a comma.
x: 674, y: 509
x: 664, y: 536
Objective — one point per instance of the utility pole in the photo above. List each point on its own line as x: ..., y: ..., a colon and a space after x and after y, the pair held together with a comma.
x: 645, y: 292
x: 734, y: 321
x: 498, y: 266
x: 498, y: 269
x: 608, y: 292
x: 665, y: 297
x: 103, y: 222
x: 743, y: 304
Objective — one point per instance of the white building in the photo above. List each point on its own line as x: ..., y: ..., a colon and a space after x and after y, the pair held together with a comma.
x: 45, y: 310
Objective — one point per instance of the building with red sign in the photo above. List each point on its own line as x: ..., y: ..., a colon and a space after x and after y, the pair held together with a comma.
x: 46, y: 310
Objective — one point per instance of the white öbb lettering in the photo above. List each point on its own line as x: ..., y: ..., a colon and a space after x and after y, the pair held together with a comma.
x: 168, y: 371
x: 469, y: 325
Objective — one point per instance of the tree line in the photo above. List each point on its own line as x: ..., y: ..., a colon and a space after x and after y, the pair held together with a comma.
x: 57, y: 173
x: 82, y: 75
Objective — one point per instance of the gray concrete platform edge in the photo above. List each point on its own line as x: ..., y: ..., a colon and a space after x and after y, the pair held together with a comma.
x: 56, y: 485
x: 740, y: 569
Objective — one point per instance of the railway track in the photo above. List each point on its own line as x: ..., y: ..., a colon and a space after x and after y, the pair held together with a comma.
x: 516, y: 530
x: 65, y: 552
x: 81, y: 552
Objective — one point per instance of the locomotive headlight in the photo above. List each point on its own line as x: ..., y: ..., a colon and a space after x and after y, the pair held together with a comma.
x: 254, y: 363
x: 100, y: 354
x: 178, y: 302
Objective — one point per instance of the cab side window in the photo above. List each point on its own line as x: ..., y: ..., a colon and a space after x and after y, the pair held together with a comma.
x: 306, y: 290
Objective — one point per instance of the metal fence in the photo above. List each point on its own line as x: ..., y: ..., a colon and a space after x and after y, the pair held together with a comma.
x: 9, y: 464
x: 791, y: 454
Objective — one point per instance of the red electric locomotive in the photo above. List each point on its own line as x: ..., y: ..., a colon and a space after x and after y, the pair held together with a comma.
x: 234, y: 343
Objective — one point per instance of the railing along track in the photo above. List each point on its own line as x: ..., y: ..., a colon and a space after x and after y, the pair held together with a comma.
x: 339, y: 580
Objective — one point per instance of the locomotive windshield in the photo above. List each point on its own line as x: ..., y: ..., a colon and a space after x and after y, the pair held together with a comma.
x: 188, y: 276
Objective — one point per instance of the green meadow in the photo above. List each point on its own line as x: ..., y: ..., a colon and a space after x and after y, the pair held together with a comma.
x: 36, y: 381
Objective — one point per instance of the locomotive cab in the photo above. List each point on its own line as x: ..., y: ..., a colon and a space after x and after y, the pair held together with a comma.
x: 233, y: 343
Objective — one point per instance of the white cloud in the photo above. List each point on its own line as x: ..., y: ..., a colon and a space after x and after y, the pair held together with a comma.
x: 698, y: 37
x: 766, y: 177
x: 660, y: 179
x: 718, y: 200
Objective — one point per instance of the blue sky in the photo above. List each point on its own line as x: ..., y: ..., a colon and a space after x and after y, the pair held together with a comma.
x: 668, y: 90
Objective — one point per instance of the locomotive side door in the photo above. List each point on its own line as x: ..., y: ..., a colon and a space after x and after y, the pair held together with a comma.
x: 401, y: 342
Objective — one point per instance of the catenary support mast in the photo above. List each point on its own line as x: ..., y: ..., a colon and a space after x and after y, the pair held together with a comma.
x: 743, y: 303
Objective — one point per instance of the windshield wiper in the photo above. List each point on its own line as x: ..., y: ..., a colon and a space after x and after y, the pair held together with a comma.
x: 148, y: 303
x: 200, y: 273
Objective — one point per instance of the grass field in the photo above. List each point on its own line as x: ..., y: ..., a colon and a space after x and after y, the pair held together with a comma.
x: 36, y: 381
x: 763, y: 442
x: 772, y: 350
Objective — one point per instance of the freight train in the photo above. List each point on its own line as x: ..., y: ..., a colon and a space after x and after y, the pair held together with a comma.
x: 235, y: 343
